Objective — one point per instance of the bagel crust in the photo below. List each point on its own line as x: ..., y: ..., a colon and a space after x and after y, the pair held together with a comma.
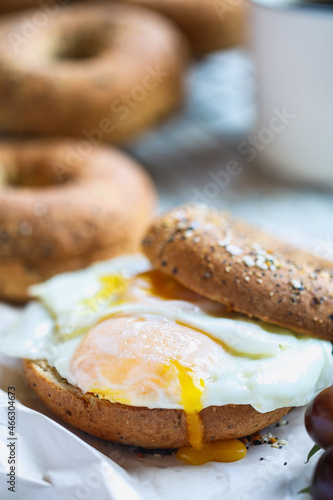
x: 208, y: 25
x: 102, y: 72
x: 138, y: 426
x: 58, y: 215
x: 11, y: 5
x: 229, y: 261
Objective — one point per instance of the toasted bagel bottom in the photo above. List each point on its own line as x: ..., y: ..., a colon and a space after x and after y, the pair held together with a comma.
x: 138, y: 426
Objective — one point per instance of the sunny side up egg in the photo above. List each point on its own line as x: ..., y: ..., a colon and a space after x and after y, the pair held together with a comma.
x: 129, y: 334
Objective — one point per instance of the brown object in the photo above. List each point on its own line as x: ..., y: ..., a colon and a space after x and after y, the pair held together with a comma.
x: 149, y: 428
x: 208, y: 25
x: 231, y: 262
x: 11, y: 5
x: 60, y: 211
x: 101, y: 72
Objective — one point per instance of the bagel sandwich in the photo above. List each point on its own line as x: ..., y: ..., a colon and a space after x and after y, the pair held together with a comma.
x: 146, y: 352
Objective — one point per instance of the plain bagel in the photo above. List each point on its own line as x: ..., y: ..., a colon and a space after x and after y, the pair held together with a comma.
x: 139, y: 426
x: 102, y: 71
x: 231, y: 262
x: 60, y: 211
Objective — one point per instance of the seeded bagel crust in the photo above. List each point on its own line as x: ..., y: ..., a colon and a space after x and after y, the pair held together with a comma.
x: 58, y: 215
x: 227, y: 260
x: 138, y: 426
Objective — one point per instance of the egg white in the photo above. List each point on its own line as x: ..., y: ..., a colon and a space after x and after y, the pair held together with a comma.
x: 266, y: 367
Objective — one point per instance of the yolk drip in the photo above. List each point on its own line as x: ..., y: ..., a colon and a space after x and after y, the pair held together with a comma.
x: 114, y: 289
x: 192, y: 389
x: 200, y: 452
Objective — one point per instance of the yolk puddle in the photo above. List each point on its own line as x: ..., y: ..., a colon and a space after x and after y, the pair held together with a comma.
x: 164, y: 287
x: 215, y: 451
x: 200, y: 452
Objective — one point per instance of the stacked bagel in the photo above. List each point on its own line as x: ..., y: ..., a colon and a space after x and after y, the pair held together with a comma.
x: 109, y: 69
x: 97, y: 73
x: 208, y: 26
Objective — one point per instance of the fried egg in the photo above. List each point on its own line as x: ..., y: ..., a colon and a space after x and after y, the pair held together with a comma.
x: 129, y: 334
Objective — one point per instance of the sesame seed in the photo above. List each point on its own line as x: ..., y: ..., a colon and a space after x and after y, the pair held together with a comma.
x: 247, y: 278
x: 248, y: 261
x: 261, y: 264
x: 234, y: 250
x: 282, y: 423
x: 224, y: 243
x: 296, y: 284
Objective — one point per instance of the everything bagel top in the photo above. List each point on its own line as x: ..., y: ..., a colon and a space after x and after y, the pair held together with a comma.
x: 231, y: 262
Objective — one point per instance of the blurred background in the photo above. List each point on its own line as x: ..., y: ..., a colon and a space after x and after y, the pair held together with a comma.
x: 254, y: 131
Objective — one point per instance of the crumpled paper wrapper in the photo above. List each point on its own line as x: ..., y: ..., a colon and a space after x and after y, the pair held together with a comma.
x: 55, y: 461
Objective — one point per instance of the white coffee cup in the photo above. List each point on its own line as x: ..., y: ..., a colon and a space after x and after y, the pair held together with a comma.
x: 293, y: 50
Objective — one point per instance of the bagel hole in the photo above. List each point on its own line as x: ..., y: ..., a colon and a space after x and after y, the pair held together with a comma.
x: 82, y: 45
x: 32, y: 175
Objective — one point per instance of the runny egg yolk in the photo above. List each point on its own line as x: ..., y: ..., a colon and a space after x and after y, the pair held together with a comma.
x: 200, y: 452
x: 147, y: 286
x: 141, y: 360
x: 191, y: 391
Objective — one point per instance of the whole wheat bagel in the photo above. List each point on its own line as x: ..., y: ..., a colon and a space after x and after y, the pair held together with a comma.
x: 102, y: 72
x: 149, y: 428
x: 231, y: 262
x: 208, y: 25
x: 60, y: 211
